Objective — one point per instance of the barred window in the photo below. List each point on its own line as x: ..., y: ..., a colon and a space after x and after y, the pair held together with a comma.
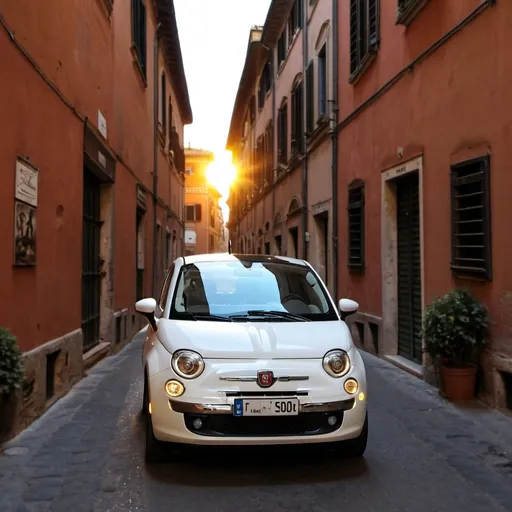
x: 356, y: 225
x: 471, y: 219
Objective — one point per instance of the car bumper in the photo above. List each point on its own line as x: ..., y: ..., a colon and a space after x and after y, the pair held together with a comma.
x: 173, y: 419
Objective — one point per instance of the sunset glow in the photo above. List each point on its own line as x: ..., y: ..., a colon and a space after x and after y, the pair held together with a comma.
x: 221, y: 173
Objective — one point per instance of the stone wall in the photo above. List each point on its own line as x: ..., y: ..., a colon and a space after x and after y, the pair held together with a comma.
x: 51, y: 370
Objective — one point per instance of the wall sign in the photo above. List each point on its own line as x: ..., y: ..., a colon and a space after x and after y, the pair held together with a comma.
x: 26, y: 182
x: 25, y: 214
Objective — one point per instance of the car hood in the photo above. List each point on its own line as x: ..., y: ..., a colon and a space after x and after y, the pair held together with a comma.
x: 254, y: 340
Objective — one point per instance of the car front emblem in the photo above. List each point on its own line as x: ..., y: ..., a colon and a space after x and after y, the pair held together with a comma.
x: 265, y: 378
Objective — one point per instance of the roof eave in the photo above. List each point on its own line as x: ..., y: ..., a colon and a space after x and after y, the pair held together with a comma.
x: 249, y: 74
x: 166, y: 15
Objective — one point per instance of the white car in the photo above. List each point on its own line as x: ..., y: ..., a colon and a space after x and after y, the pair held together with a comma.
x: 250, y: 350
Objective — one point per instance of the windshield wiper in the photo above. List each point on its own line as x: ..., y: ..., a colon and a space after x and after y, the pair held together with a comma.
x: 272, y: 314
x: 207, y: 316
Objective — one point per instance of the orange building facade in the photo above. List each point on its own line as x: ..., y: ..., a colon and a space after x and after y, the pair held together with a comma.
x: 92, y: 179
x: 423, y: 139
x: 204, y: 225
x: 419, y: 127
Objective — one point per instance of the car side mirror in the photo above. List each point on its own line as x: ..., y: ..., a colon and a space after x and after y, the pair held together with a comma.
x: 147, y: 308
x: 348, y: 307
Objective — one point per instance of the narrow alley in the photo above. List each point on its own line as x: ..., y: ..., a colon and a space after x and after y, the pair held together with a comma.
x: 424, y: 454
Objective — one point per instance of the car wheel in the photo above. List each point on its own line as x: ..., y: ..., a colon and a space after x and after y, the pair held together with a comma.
x: 355, y: 448
x: 145, y: 398
x: 154, y: 447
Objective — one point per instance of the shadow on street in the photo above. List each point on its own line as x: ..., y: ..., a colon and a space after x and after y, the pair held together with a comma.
x: 268, y: 465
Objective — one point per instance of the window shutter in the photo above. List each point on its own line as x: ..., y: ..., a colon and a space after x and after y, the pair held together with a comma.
x: 356, y: 226
x: 310, y: 97
x: 300, y: 17
x: 198, y: 213
x: 299, y: 117
x: 354, y: 32
x: 373, y: 23
x: 142, y: 8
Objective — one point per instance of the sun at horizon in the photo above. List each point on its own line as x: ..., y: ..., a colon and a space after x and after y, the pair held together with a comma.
x: 221, y: 173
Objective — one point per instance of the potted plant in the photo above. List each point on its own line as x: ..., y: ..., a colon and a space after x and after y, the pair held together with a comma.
x: 11, y: 370
x: 455, y: 332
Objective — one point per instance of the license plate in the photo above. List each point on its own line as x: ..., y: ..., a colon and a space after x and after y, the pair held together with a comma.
x: 274, y: 407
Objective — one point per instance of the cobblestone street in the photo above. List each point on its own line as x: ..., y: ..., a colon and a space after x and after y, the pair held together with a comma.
x: 86, y: 454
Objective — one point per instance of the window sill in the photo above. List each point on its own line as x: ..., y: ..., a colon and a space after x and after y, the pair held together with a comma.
x: 356, y: 269
x: 138, y: 67
x: 483, y: 277
x: 406, y: 15
x: 322, y: 122
x: 363, y: 66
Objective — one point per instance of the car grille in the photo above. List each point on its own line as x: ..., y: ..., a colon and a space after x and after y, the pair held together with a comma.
x: 265, y: 393
x: 223, y: 425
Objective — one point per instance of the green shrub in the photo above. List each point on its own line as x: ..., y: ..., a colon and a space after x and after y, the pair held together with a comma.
x: 455, y: 327
x: 11, y: 370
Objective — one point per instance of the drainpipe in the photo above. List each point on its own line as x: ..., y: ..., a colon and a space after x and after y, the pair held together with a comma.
x: 274, y: 141
x: 334, y: 147
x: 155, y: 154
x: 305, y: 209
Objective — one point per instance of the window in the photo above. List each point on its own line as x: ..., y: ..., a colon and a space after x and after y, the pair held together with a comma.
x: 408, y: 9
x: 259, y: 162
x: 212, y: 243
x: 265, y: 84
x: 295, y: 20
x: 170, y: 119
x: 310, y: 98
x: 269, y: 152
x: 471, y: 219
x: 356, y: 225
x: 163, y: 104
x: 139, y: 32
x: 281, y: 48
x: 282, y: 142
x: 322, y: 82
x: 212, y: 218
x: 193, y: 213
x: 297, y: 119
x: 364, y: 32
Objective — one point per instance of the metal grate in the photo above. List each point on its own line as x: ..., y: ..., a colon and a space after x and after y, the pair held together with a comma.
x: 356, y: 226
x: 471, y: 230
x: 91, y: 261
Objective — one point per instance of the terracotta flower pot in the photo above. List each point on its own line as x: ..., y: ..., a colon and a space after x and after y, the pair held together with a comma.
x: 458, y: 383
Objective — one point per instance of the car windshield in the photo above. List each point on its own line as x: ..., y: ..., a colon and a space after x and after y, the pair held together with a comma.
x: 244, y: 290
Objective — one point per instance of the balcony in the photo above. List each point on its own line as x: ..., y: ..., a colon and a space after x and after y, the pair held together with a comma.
x: 407, y: 10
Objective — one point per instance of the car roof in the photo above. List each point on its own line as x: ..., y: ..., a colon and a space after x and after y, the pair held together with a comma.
x: 254, y: 258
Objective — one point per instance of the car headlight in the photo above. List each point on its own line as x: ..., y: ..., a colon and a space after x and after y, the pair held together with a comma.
x: 187, y: 364
x: 336, y: 363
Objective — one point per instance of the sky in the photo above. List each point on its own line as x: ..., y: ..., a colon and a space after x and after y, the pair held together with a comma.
x: 213, y: 38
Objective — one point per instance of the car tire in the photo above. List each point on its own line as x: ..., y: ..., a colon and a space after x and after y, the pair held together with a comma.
x: 145, y: 398
x: 355, y: 448
x: 154, y: 447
